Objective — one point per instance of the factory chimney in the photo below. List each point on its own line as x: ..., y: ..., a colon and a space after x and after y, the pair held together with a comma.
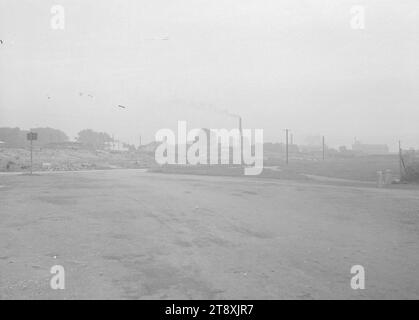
x: 241, y: 138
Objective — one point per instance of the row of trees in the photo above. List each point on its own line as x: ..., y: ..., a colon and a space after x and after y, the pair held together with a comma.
x: 16, y: 138
x: 97, y: 140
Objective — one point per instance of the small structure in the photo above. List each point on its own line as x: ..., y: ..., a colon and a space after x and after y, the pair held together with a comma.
x: 384, y: 178
x: 116, y: 146
x: 370, y: 149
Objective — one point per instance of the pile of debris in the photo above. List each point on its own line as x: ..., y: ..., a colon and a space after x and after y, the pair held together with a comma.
x: 53, y: 159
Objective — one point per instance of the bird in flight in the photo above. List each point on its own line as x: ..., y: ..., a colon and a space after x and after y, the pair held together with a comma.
x: 121, y: 106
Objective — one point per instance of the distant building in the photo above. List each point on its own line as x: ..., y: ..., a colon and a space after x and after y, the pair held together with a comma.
x: 280, y: 148
x: 116, y: 146
x: 311, y: 148
x: 371, y: 149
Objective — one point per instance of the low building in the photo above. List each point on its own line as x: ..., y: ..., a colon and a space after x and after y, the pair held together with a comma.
x: 371, y: 149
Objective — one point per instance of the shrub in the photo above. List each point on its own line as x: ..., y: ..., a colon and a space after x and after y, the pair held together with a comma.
x: 411, y: 173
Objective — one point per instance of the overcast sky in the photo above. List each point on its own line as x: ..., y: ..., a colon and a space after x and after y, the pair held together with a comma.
x: 280, y: 64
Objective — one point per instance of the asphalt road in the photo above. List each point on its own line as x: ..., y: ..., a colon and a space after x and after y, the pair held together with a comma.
x: 127, y: 234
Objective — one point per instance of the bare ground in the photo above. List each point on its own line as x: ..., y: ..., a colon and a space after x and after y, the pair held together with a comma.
x: 127, y: 234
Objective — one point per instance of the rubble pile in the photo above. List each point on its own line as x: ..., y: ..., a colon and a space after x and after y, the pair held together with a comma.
x: 44, y: 159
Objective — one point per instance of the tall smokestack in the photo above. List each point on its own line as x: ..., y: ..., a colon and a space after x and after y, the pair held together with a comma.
x: 241, y: 138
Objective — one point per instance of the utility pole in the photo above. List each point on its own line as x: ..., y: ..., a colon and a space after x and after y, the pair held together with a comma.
x: 323, y: 147
x: 400, y: 160
x: 286, y: 144
x: 31, y: 136
x: 31, y: 154
x: 241, y: 140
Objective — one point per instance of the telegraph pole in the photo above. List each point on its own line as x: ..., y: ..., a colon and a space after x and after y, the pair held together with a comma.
x: 400, y: 160
x: 286, y: 145
x: 241, y: 140
x: 31, y: 136
x: 31, y: 153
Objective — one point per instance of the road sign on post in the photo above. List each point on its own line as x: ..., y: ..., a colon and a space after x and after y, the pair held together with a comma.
x: 31, y: 136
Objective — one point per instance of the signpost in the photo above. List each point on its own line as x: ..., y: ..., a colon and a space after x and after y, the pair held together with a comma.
x: 31, y: 136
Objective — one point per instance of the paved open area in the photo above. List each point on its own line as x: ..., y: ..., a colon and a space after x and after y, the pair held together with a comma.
x: 128, y: 234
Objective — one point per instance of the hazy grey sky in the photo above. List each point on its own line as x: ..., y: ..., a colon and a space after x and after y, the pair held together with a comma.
x: 295, y: 64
